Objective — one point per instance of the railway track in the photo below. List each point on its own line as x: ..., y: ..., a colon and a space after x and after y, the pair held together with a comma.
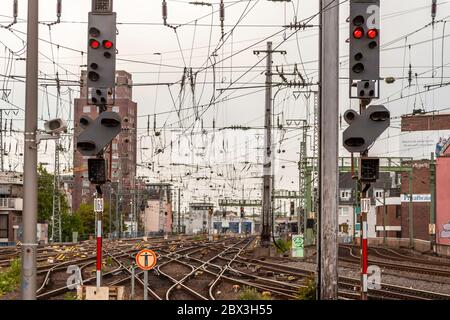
x: 346, y: 284
x: 391, y: 254
x: 204, y: 270
x: 349, y: 256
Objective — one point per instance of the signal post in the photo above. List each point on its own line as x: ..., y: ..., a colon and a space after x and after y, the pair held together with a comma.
x: 98, y: 134
x: 372, y: 120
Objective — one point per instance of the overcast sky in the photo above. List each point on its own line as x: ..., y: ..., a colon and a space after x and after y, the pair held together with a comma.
x: 160, y: 55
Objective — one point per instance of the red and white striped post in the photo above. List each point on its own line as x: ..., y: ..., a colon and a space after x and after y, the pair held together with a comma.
x: 364, y: 258
x: 98, y: 207
x: 99, y: 252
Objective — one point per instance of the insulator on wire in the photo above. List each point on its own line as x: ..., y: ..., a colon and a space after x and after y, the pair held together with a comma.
x: 154, y: 122
x: 58, y: 8
x: 15, y: 9
x: 164, y: 12
x: 433, y: 9
x: 148, y: 125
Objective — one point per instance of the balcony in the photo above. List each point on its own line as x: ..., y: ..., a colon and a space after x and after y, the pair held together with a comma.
x: 14, y: 204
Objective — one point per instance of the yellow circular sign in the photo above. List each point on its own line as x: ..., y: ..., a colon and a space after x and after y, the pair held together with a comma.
x: 146, y: 259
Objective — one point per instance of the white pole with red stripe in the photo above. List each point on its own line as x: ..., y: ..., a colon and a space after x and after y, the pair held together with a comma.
x: 99, y: 253
x: 364, y: 257
x: 365, y: 208
x: 98, y: 207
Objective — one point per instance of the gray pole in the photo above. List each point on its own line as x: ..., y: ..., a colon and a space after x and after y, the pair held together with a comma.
x: 116, y: 229
x: 410, y: 211
x: 30, y: 157
x: 384, y: 214
x: 110, y: 211
x: 132, y: 281
x: 145, y: 285
x: 433, y: 202
x: 179, y: 210
x: 1, y: 141
x: 329, y: 152
x: 267, y: 179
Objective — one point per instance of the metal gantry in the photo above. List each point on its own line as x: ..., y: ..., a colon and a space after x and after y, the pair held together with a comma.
x: 302, y: 178
x: 56, y: 212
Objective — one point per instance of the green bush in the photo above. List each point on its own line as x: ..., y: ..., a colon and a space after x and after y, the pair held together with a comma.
x: 251, y: 294
x: 283, y: 246
x: 70, y: 296
x: 308, y: 292
x: 10, y: 279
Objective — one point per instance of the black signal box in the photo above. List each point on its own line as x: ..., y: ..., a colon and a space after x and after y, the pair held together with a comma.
x: 97, y: 171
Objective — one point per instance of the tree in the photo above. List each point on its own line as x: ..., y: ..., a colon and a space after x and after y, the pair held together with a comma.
x: 87, y: 218
x: 45, y: 195
x: 69, y: 222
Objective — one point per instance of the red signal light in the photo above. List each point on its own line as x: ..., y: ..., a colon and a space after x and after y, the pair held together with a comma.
x: 94, y: 44
x: 107, y: 44
x: 358, y: 33
x: 372, y: 33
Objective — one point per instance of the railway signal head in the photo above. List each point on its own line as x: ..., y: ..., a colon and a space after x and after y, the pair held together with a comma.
x: 369, y: 169
x: 97, y: 171
x: 98, y: 133
x: 101, y: 67
x: 365, y: 128
x: 364, y: 40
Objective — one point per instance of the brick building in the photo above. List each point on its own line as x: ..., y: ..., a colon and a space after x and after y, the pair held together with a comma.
x: 420, y: 181
x: 429, y: 131
x: 425, y: 122
x: 122, y: 160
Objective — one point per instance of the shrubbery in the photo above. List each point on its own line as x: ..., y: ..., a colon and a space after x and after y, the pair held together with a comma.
x: 10, y: 279
x: 252, y: 294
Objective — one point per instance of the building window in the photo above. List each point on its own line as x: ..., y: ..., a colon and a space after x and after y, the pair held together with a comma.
x: 4, y: 226
x: 115, y: 147
x: 345, y: 194
x: 116, y: 109
x: 115, y: 165
x: 343, y: 211
x: 115, y: 156
x: 86, y: 184
x: 87, y: 109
